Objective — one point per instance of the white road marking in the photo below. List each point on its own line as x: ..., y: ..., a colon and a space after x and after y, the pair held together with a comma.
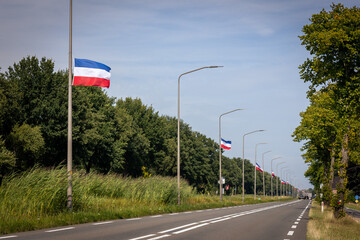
x: 296, y: 222
x: 133, y: 219
x: 101, y: 223
x: 191, y: 228
x: 208, y: 221
x: 293, y: 226
x: 159, y: 237
x: 60, y: 229
x: 183, y: 226
x: 173, y: 214
x: 6, y: 237
x: 146, y: 236
x: 156, y: 216
x: 298, y: 219
x: 290, y: 233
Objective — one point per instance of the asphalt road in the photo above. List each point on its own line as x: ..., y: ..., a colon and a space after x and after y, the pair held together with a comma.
x: 276, y: 220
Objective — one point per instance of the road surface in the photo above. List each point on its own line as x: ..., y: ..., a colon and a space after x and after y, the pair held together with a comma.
x: 276, y: 220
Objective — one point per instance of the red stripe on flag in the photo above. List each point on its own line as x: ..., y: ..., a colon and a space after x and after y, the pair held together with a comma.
x: 91, y: 81
x: 225, y: 147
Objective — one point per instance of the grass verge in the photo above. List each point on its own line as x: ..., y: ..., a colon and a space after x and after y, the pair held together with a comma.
x: 323, y: 225
x: 37, y: 199
x: 353, y: 206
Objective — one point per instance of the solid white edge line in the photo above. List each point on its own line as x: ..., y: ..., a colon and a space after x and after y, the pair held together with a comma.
x: 6, y: 237
x: 156, y: 216
x: 60, y: 229
x: 146, y: 236
x: 159, y: 237
x: 133, y: 219
x: 191, y: 228
x: 183, y: 226
x: 101, y: 223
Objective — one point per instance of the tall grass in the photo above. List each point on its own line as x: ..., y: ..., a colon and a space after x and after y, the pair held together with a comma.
x: 37, y: 199
x: 39, y: 194
x: 324, y: 226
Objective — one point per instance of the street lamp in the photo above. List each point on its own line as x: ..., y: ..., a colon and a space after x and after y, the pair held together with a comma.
x: 220, y: 180
x: 178, y: 127
x: 264, y: 172
x: 255, y: 170
x: 281, y: 174
x: 271, y: 176
x: 277, y: 173
x: 243, y: 168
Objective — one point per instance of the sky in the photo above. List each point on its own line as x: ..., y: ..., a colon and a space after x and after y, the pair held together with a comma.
x: 149, y: 43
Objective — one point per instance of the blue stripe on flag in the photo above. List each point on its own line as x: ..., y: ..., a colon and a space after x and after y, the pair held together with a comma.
x: 90, y: 64
x: 228, y: 142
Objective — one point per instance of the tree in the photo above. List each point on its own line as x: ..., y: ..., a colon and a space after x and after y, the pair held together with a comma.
x: 332, y: 38
x: 7, y: 160
x: 27, y: 143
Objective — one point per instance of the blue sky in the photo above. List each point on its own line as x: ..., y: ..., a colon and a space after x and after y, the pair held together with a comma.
x: 148, y: 44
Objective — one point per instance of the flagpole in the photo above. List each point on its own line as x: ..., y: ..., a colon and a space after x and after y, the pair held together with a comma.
x: 220, y: 178
x: 69, y: 142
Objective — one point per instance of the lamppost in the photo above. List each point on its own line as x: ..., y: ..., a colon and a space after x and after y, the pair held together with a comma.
x: 255, y: 170
x: 264, y: 172
x: 277, y: 173
x: 243, y: 168
x: 220, y: 180
x: 178, y: 127
x: 281, y: 174
x: 272, y: 177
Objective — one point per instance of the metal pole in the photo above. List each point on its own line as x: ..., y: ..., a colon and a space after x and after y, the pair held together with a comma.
x: 281, y: 186
x: 255, y: 170
x: 277, y: 173
x: 178, y: 128
x: 264, y: 172
x: 243, y: 165
x: 69, y: 142
x: 272, y: 176
x: 220, y: 180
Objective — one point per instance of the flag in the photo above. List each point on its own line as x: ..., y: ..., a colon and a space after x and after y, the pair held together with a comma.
x: 282, y: 182
x: 259, y: 168
x: 225, y: 144
x: 91, y: 73
x: 273, y: 174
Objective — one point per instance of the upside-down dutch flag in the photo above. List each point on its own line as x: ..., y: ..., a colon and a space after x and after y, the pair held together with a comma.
x: 273, y: 174
x: 259, y: 168
x: 91, y: 73
x: 225, y: 144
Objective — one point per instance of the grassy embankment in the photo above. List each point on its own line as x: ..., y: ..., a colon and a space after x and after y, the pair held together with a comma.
x: 323, y: 226
x: 37, y: 199
x: 353, y: 206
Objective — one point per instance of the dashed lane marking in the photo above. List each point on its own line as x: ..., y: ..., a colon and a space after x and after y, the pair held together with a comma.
x: 142, y: 237
x: 102, y: 223
x: 60, y: 229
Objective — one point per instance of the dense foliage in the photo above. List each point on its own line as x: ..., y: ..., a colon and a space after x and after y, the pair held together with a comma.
x: 330, y: 125
x: 121, y: 136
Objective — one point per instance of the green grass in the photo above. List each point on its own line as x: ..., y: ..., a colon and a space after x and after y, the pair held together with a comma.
x: 353, y: 206
x: 323, y: 226
x: 37, y: 199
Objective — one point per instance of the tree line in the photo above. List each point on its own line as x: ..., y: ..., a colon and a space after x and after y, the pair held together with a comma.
x: 330, y: 125
x: 122, y: 136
